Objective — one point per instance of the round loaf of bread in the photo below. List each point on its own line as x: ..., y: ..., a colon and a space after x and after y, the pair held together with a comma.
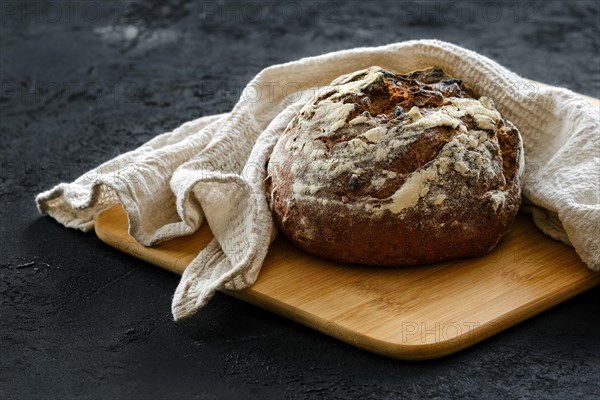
x: 394, y: 169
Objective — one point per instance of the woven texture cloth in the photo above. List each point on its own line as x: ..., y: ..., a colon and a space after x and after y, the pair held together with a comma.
x: 213, y: 168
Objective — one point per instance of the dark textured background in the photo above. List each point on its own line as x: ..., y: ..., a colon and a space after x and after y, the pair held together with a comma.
x: 83, y: 81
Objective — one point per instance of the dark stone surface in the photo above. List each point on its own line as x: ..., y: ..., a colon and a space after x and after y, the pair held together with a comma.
x: 83, y: 81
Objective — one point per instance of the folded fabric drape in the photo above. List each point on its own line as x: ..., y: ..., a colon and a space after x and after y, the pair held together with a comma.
x: 213, y: 167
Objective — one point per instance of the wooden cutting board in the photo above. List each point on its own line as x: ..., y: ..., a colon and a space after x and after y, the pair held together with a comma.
x: 416, y: 312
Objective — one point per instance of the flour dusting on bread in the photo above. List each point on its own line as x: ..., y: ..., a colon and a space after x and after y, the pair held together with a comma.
x: 380, y: 145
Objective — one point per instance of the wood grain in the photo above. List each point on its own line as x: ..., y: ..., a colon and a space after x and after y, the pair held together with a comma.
x: 416, y: 312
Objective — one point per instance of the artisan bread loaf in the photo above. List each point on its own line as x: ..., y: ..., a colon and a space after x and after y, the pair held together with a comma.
x: 391, y: 169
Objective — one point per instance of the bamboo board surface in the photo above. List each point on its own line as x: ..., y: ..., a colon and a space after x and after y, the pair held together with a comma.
x: 416, y: 312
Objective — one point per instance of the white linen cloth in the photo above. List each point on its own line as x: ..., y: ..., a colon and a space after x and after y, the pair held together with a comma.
x: 213, y: 167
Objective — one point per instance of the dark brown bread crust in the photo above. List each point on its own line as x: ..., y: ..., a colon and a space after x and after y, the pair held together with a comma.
x: 396, y: 170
